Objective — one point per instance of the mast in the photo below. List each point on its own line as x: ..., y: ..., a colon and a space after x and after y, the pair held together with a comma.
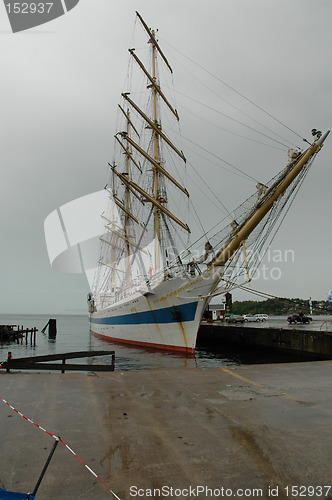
x: 154, y: 125
x: 127, y: 193
x: 255, y: 218
x: 113, y: 236
x: 159, y: 176
x: 156, y: 159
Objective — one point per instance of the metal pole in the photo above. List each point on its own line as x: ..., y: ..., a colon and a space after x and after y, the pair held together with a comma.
x: 45, y: 467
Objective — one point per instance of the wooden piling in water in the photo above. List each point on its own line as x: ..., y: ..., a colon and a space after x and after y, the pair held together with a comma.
x: 52, y: 330
x: 16, y: 333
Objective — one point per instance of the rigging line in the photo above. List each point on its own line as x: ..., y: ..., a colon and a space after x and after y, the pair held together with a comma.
x: 221, y: 203
x: 285, y: 300
x: 236, y: 91
x: 291, y: 197
x: 233, y: 215
x: 243, y: 176
x: 199, y: 220
x: 224, y: 209
x: 179, y: 236
x: 139, y: 244
x: 230, y: 131
x: 221, y: 159
x: 256, y: 257
x: 230, y: 118
x: 292, y: 194
x: 183, y: 253
x: 230, y: 104
x: 216, y: 225
x: 258, y: 293
x: 221, y: 208
x: 133, y: 34
x: 174, y: 249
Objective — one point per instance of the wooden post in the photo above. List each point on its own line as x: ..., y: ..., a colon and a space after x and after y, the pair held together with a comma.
x: 52, y: 329
x: 40, y: 362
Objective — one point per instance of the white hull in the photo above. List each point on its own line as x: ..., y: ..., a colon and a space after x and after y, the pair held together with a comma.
x: 166, y: 317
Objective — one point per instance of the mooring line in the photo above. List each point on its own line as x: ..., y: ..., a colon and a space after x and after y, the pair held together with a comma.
x: 61, y: 441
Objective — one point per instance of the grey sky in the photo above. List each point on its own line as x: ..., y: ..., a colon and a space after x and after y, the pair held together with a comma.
x: 59, y: 91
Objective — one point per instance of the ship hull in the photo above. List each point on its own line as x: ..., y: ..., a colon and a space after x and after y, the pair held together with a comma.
x: 165, y: 317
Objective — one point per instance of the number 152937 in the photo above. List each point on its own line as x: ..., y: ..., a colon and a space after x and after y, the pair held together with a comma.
x: 307, y: 491
x: 29, y: 8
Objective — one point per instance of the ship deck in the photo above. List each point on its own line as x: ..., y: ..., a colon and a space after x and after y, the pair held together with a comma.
x: 243, y: 427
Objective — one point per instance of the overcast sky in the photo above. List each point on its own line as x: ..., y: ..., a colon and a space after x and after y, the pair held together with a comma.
x: 60, y: 87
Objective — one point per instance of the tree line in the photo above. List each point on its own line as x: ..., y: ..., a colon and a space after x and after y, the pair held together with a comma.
x: 280, y: 306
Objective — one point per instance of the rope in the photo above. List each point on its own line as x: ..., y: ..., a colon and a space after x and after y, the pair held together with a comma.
x: 237, y: 92
x: 267, y: 296
x: 215, y: 125
x: 211, y: 191
x: 221, y: 159
x: 230, y: 118
x: 230, y: 104
x: 255, y: 258
x: 57, y: 438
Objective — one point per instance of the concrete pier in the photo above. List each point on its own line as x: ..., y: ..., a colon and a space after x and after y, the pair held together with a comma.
x: 238, y: 428
x: 301, y: 340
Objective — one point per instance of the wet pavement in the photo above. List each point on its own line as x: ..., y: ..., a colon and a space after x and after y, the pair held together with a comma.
x: 258, y: 428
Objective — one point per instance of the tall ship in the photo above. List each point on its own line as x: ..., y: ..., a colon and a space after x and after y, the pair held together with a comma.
x: 152, y: 284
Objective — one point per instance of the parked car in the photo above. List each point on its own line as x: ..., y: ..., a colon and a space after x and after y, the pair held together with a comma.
x: 298, y: 318
x: 249, y: 317
x: 235, y: 318
x: 262, y: 317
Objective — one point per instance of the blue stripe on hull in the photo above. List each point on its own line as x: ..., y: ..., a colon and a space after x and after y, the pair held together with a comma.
x: 183, y: 313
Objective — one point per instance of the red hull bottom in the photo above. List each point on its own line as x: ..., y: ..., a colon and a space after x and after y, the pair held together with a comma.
x: 189, y: 351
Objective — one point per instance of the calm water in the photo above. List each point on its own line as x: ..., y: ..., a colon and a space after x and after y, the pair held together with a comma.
x: 74, y: 335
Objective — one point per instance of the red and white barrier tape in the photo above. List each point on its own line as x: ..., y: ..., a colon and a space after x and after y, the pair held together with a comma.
x: 61, y: 441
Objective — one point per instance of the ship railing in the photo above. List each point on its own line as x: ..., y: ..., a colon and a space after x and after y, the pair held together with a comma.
x: 143, y: 283
x: 171, y: 272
